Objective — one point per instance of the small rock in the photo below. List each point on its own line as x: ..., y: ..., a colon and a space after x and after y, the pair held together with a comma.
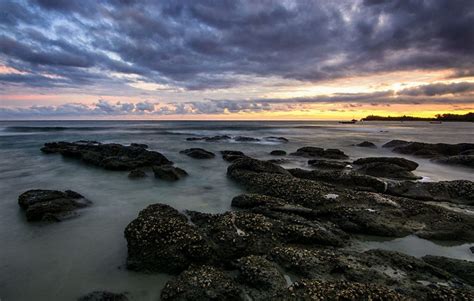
x: 366, y: 144
x: 169, y: 173
x: 50, y: 205
x: 198, y: 153
x: 278, y: 152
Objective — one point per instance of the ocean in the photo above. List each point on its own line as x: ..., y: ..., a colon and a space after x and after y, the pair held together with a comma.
x: 65, y: 260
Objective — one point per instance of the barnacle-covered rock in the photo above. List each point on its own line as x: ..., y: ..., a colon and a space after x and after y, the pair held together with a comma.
x: 160, y: 239
x: 169, y: 173
x: 200, y: 283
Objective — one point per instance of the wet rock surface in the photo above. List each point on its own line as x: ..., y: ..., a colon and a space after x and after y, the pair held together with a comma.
x: 458, y: 154
x: 231, y: 155
x: 387, y: 167
x: 169, y: 172
x: 51, y: 205
x: 366, y: 144
x: 330, y: 153
x: 461, y: 268
x: 328, y: 164
x: 278, y: 152
x: 109, y: 156
x: 104, y: 296
x: 201, y: 283
x: 161, y: 239
x: 458, y: 191
x: 198, y: 153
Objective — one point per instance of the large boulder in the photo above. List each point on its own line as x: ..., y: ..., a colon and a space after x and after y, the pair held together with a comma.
x: 51, y: 205
x: 198, y: 153
x: 109, y: 156
x: 169, y: 173
x: 160, y: 239
x: 464, y: 160
x: 328, y: 164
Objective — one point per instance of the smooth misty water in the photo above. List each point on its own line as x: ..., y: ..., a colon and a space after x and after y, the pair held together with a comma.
x: 65, y: 260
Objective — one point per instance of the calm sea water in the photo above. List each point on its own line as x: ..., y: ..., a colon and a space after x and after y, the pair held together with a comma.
x: 66, y: 260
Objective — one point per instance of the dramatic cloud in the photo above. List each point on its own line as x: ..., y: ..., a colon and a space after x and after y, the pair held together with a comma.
x: 136, y: 48
x: 190, y: 43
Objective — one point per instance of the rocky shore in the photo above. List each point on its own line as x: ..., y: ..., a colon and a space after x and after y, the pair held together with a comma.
x: 292, y: 223
x: 291, y: 235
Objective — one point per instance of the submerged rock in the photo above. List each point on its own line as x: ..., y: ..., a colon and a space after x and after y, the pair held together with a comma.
x: 278, y: 152
x: 465, y: 160
x: 458, y: 191
x: 198, y: 153
x: 366, y: 144
x: 51, y: 205
x: 104, y: 296
x: 160, y: 239
x: 169, y: 173
x: 109, y: 156
x: 201, y: 283
x: 136, y: 174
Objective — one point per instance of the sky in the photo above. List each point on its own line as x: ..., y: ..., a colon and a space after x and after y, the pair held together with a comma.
x: 235, y: 59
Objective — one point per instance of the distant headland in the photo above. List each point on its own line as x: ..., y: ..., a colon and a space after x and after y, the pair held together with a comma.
x: 469, y: 117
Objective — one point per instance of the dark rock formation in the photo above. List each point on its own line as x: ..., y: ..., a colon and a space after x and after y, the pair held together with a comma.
x: 461, y: 268
x: 246, y: 139
x: 51, y: 205
x: 366, y: 144
x: 278, y: 152
x: 460, y: 154
x: 260, y: 276
x: 402, y: 162
x: 201, y: 283
x: 342, y: 178
x: 387, y: 167
x: 169, y: 173
x: 104, y: 296
x: 160, y: 239
x: 136, y: 174
x: 198, y: 153
x: 210, y: 139
x: 330, y: 153
x: 328, y: 164
x: 458, y: 191
x: 464, y: 160
x: 354, y: 211
x: 231, y: 155
x: 109, y: 156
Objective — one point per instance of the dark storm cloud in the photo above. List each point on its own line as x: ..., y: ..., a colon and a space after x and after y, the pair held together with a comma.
x: 212, y: 44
